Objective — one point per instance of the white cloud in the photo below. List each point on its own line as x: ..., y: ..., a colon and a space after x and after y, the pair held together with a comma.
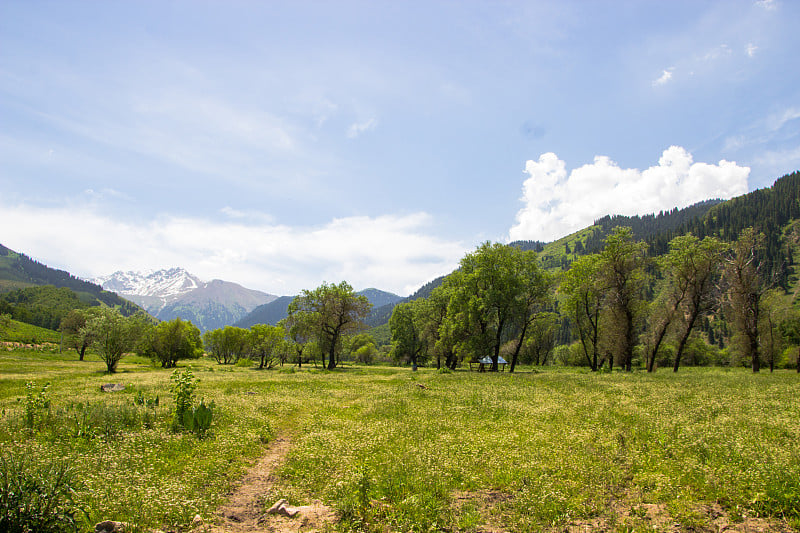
x: 780, y: 162
x: 720, y: 51
x: 391, y: 252
x: 776, y: 121
x: 664, y: 78
x: 750, y: 50
x: 358, y: 128
x: 557, y: 204
x: 767, y: 4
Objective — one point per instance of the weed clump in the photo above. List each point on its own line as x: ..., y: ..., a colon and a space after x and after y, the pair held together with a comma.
x: 36, y: 498
x: 195, y: 418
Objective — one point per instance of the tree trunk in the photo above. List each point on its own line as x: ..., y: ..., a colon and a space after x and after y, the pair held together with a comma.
x: 452, y: 361
x: 651, y: 361
x: 754, y: 353
x: 332, y: 357
x: 629, y: 340
x: 518, y: 348
x: 81, y: 353
x: 798, y: 361
x: 682, y: 344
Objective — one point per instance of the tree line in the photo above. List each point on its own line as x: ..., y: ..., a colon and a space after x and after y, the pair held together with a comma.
x: 321, y: 323
x: 619, y: 306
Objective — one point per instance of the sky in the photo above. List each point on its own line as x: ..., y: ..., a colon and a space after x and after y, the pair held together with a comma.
x: 280, y: 145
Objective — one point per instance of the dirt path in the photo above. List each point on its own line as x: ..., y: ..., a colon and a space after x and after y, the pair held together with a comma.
x: 244, y: 511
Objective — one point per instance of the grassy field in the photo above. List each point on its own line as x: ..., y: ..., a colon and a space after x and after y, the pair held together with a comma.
x: 27, y: 333
x: 393, y: 450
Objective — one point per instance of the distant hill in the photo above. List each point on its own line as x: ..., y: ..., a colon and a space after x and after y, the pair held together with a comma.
x: 380, y: 298
x: 174, y: 292
x: 275, y: 311
x: 18, y: 271
x: 270, y: 313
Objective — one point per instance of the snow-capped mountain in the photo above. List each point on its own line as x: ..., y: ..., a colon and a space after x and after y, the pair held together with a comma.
x: 164, y: 283
x: 174, y: 292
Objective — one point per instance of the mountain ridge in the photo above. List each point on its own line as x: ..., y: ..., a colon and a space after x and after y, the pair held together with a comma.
x: 174, y: 292
x: 275, y: 311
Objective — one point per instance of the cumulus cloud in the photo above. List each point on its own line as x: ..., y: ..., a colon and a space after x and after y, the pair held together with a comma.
x: 358, y: 128
x: 664, y: 78
x: 558, y: 203
x: 383, y: 252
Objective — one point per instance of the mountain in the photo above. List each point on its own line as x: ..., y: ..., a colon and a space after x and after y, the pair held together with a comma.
x: 19, y: 272
x: 174, y: 292
x: 275, y: 311
x: 379, y: 298
x: 269, y: 313
x: 159, y: 284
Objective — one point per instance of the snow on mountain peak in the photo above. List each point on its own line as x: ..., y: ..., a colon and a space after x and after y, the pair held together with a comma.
x: 164, y: 283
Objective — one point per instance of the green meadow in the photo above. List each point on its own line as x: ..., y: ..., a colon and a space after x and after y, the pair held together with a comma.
x: 395, y: 450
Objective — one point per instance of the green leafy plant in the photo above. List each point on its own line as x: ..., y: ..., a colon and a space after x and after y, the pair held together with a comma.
x: 35, y: 403
x: 198, y: 419
x: 187, y: 416
x: 183, y: 386
x: 36, y: 498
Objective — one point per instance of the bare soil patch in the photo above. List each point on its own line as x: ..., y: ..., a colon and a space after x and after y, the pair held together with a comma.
x: 485, y: 502
x: 245, y: 510
x: 711, y: 518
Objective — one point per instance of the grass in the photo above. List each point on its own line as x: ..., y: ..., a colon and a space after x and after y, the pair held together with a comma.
x: 394, y: 450
x: 27, y: 333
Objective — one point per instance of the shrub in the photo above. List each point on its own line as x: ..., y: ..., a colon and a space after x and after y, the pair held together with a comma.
x: 36, y: 498
x: 244, y: 362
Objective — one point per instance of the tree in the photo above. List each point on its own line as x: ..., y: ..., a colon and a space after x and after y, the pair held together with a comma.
x: 531, y: 303
x: 227, y: 344
x: 362, y: 348
x: 483, y: 301
x: 431, y: 313
x: 300, y: 337
x: 266, y: 342
x: 774, y: 313
x: 622, y: 272
x: 690, y: 270
x: 790, y: 330
x: 541, y: 339
x: 173, y: 340
x: 404, y: 325
x: 584, y: 301
x: 73, y: 329
x: 113, y: 335
x: 748, y: 282
x: 330, y: 312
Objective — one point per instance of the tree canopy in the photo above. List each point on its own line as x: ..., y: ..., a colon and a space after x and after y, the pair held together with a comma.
x: 328, y: 313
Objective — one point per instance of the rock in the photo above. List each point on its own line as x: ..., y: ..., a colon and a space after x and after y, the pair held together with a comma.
x: 109, y: 526
x: 277, y: 506
x: 291, y: 512
x: 112, y: 387
x: 280, y: 507
x: 197, y: 521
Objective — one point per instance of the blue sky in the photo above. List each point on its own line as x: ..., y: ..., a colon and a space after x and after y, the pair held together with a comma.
x: 282, y: 144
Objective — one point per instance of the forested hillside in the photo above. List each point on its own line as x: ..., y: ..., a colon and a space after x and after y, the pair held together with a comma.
x: 42, y: 306
x: 37, y: 294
